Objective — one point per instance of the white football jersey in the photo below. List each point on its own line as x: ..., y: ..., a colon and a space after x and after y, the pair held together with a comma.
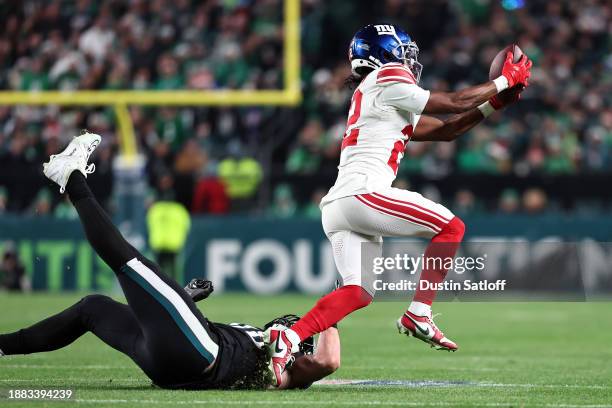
x: 385, y: 109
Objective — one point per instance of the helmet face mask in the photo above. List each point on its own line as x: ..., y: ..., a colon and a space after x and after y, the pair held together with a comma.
x: 408, y: 54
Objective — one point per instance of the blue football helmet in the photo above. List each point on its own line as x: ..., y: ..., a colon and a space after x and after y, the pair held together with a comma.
x: 378, y: 44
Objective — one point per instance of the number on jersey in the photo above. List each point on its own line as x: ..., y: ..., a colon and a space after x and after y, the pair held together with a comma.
x: 254, y: 333
x: 351, y: 134
x: 398, y: 149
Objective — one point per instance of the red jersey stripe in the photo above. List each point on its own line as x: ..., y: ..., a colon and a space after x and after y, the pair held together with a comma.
x: 401, y: 68
x: 408, y: 210
x: 395, y: 72
x: 398, y: 214
x: 395, y: 79
x: 413, y: 205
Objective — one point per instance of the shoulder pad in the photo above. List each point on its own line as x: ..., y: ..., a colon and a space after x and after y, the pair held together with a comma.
x: 395, y: 72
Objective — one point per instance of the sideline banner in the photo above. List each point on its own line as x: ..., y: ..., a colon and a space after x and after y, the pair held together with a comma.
x: 268, y: 256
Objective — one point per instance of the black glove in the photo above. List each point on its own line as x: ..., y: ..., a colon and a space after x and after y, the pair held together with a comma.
x: 199, y: 289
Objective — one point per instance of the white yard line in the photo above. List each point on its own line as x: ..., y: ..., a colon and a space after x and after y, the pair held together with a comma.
x: 440, y: 383
x: 487, y: 369
x: 581, y: 386
x: 350, y: 382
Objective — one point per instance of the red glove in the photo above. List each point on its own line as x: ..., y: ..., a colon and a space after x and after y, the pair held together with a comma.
x: 507, y: 97
x: 517, y: 73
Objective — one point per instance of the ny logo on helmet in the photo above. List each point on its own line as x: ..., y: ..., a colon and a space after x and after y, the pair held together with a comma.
x: 385, y: 29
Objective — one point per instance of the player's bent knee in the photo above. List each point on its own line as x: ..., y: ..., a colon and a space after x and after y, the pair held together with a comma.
x: 458, y: 227
x: 94, y: 301
x: 453, y: 231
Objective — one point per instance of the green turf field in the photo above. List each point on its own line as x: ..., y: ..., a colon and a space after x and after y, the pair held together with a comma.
x: 511, y: 354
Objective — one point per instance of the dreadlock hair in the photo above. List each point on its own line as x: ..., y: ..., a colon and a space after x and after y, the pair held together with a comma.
x: 353, y: 80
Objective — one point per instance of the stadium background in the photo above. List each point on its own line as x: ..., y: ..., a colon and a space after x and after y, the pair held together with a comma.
x: 252, y: 171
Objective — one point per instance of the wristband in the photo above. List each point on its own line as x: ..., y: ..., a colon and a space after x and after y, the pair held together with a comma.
x: 486, y: 109
x: 501, y: 83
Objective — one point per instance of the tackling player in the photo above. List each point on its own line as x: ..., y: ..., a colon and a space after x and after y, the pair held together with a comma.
x: 160, y: 329
x: 389, y: 109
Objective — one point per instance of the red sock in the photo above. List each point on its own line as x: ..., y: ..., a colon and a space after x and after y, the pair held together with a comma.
x: 443, y: 245
x: 330, y: 309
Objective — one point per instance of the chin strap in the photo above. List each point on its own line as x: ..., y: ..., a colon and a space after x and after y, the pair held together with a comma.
x: 361, y: 63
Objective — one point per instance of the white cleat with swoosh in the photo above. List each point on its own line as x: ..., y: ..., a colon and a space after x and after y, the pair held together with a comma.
x: 281, y: 343
x: 424, y: 328
x: 74, y: 157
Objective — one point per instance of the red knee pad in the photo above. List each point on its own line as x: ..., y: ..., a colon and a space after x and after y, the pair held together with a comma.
x: 452, y: 232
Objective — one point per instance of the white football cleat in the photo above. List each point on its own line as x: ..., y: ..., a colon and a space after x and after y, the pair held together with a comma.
x: 424, y: 328
x: 74, y: 157
x: 281, y: 343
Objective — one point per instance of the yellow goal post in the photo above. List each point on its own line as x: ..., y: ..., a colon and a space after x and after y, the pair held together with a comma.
x: 289, y: 95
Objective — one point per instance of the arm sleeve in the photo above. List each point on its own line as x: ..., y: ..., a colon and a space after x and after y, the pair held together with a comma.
x: 407, y: 97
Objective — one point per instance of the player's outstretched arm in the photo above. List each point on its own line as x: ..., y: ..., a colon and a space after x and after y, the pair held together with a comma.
x: 462, y: 101
x: 431, y: 129
x: 323, y: 362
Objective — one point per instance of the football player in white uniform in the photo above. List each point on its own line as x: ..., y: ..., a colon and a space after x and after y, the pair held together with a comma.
x: 388, y: 110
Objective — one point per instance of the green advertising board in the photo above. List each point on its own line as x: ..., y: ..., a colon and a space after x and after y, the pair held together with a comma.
x: 255, y: 254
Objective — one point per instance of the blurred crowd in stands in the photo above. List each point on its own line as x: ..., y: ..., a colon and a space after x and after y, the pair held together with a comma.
x: 220, y: 160
x: 12, y: 271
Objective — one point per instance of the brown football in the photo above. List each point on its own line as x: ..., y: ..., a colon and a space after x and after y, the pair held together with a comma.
x: 498, y: 62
